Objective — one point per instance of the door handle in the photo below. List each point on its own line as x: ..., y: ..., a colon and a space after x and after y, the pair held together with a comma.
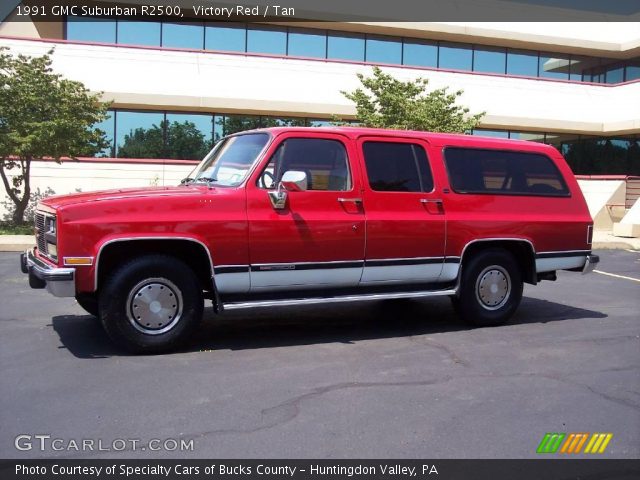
x: 430, y: 200
x: 352, y: 200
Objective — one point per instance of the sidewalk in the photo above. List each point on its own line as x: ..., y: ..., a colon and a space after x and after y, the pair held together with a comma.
x: 601, y: 240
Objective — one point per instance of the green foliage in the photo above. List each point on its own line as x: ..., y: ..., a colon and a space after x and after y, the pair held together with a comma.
x: 386, y: 102
x: 42, y: 115
x: 239, y: 123
x: 30, y: 211
x: 183, y: 141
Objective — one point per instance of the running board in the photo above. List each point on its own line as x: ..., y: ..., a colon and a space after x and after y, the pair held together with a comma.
x: 335, y: 299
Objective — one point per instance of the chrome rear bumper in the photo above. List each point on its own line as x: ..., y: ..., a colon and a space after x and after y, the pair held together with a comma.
x: 59, y: 282
x: 590, y: 264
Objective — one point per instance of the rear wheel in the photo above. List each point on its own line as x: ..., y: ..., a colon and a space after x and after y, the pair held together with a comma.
x: 490, y: 288
x: 151, y: 304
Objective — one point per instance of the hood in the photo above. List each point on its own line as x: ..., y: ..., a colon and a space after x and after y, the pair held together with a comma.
x: 60, y: 201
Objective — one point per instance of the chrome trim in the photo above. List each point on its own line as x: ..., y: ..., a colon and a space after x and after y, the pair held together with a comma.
x: 590, y: 264
x: 566, y: 253
x: 352, y: 200
x: 337, y: 299
x: 431, y: 200
x: 589, y: 234
x: 127, y: 239
x: 60, y: 282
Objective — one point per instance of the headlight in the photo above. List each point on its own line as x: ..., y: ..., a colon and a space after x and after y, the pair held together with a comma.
x: 52, y: 250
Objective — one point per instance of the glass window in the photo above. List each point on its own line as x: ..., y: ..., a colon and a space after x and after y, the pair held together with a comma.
x: 307, y: 43
x: 89, y: 29
x: 139, y: 33
x: 221, y: 36
x: 108, y: 127
x: 632, y: 70
x: 183, y: 35
x: 324, y: 161
x: 267, y: 40
x: 188, y: 136
x: 384, y: 50
x: 320, y: 123
x: 522, y: 62
x: 420, y: 54
x: 554, y: 67
x: 490, y: 60
x: 455, y: 56
x: 139, y: 134
x: 397, y: 167
x: 218, y: 128
x: 491, y: 133
x: 230, y: 161
x: 346, y: 47
x: 238, y: 123
x: 615, y: 73
x: 529, y: 136
x: 502, y: 172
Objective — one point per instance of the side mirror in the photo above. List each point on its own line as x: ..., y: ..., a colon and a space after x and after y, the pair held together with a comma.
x: 292, y: 181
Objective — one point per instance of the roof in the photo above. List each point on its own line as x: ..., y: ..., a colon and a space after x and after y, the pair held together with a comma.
x: 435, y: 138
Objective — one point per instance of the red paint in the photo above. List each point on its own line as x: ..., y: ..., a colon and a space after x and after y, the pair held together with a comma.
x: 239, y: 226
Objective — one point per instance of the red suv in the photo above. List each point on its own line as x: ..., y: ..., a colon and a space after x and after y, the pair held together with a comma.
x: 290, y: 216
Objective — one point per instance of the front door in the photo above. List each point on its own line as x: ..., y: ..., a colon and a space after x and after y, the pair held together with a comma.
x: 317, y: 240
x: 405, y: 214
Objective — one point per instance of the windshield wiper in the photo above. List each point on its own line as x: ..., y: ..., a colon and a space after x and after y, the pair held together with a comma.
x: 208, y: 180
x: 187, y: 181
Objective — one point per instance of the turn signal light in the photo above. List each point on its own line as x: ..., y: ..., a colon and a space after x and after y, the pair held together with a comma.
x: 78, y: 260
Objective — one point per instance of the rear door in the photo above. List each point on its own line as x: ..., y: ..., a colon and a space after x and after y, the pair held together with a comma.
x: 405, y: 220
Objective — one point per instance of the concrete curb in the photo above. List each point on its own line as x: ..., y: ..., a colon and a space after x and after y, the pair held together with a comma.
x: 16, y: 243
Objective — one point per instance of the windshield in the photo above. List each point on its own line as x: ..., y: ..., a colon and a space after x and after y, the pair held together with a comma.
x: 230, y: 160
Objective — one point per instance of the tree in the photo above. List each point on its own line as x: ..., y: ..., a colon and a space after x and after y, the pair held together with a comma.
x: 42, y: 115
x: 183, y: 140
x: 387, y: 102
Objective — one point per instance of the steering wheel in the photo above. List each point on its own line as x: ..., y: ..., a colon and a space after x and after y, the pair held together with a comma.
x: 267, y: 175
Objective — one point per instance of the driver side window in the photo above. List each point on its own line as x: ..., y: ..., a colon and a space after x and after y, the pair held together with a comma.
x: 324, y: 161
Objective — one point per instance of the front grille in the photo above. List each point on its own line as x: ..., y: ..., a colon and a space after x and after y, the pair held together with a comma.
x: 40, y: 241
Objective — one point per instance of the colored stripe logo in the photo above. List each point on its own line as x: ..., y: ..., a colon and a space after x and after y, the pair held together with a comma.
x: 574, y: 442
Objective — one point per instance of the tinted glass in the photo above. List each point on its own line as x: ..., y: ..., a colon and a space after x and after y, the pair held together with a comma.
x: 307, y: 43
x: 615, y: 73
x: 489, y: 60
x: 421, y: 54
x: 182, y: 35
x: 501, y: 172
x: 271, y: 41
x: 522, y: 62
x: 397, y: 167
x: 108, y: 127
x: 225, y: 38
x: 491, y: 133
x: 384, y: 50
x: 632, y: 70
x: 346, y: 47
x: 554, y: 67
x: 319, y: 123
x: 237, y: 123
x: 139, y: 33
x: 140, y: 135
x: 529, y: 136
x: 324, y: 161
x: 580, y: 67
x: 188, y: 136
x: 88, y: 29
x: 455, y: 56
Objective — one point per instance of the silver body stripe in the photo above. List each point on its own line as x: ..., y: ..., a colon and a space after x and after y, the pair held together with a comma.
x: 559, y: 263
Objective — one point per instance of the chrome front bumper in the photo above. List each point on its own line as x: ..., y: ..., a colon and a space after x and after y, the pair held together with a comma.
x: 60, y: 282
x: 590, y: 264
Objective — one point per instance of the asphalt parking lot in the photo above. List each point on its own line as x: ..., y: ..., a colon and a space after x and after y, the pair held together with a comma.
x: 392, y: 379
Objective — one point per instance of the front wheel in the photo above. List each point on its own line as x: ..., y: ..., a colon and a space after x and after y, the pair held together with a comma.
x: 151, y: 304
x: 89, y: 302
x: 490, y: 288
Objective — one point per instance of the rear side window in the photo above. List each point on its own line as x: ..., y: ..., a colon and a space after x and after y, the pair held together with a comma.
x: 503, y: 172
x: 397, y: 167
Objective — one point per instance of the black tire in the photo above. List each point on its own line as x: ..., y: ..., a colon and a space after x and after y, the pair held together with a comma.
x: 490, y: 288
x: 165, y: 293
x: 89, y: 302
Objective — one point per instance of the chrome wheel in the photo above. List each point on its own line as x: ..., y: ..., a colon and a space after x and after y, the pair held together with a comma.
x: 154, y: 306
x: 493, y: 287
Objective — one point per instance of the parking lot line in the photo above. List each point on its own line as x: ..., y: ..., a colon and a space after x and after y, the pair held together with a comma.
x: 617, y: 276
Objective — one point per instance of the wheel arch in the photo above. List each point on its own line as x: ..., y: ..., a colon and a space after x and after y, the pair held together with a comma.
x: 522, y: 250
x: 191, y: 251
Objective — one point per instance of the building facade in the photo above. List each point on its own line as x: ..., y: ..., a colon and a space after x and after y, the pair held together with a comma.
x: 177, y: 88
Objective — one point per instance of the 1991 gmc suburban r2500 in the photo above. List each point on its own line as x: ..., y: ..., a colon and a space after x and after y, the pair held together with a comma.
x: 289, y: 216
